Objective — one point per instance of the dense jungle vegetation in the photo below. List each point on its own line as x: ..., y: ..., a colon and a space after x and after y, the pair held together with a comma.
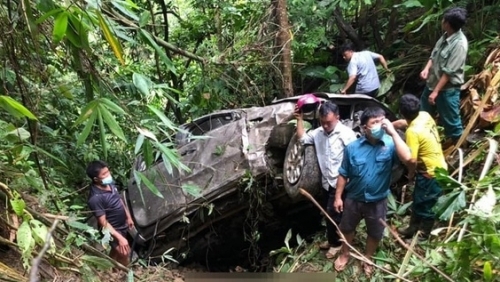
x: 94, y: 79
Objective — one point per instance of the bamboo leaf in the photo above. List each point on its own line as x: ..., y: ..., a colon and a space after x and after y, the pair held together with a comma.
x: 60, y: 26
x: 47, y: 15
x: 166, y: 121
x: 111, y: 122
x: 115, y: 44
x: 40, y: 150
x: 112, y: 106
x: 87, y: 112
x: 138, y: 181
x: 102, y: 132
x: 150, y: 185
x: 138, y: 144
x: 151, y: 42
x: 146, y: 133
x: 15, y: 108
x: 147, y: 152
x: 86, y: 130
x: 170, y: 157
x: 122, y: 6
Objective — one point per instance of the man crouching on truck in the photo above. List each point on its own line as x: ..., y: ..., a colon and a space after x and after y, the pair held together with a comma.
x: 109, y: 209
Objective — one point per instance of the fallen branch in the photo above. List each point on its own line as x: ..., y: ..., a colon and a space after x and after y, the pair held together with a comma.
x: 415, y: 253
x: 359, y: 256
x: 38, y: 260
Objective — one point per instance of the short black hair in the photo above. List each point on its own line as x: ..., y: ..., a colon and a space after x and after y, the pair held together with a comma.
x: 348, y: 46
x: 456, y: 17
x: 328, y: 107
x: 409, y: 106
x: 371, y: 112
x: 95, y: 167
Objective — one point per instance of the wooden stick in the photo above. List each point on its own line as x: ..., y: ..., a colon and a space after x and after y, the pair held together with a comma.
x: 36, y: 261
x: 361, y: 256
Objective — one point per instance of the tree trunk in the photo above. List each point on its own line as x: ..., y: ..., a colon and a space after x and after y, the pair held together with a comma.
x: 283, y: 46
x: 349, y: 31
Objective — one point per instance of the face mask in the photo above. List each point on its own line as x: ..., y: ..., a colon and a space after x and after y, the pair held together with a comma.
x: 108, y: 180
x: 377, y: 132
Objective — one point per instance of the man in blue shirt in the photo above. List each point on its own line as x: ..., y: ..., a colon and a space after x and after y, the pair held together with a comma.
x: 362, y: 70
x: 367, y: 164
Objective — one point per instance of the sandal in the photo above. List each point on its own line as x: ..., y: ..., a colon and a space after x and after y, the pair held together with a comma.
x: 324, y: 246
x: 332, y: 252
x: 339, y: 266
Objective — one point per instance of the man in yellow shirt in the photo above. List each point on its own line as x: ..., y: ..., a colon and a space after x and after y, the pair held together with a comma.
x: 426, y: 155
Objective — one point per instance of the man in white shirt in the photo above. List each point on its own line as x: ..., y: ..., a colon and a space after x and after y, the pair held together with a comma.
x: 362, y: 70
x: 330, y: 139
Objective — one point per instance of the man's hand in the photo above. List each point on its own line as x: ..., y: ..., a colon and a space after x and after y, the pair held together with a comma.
x: 123, y: 248
x: 388, y: 127
x: 424, y: 74
x: 338, y: 205
x: 432, y: 98
x: 130, y: 223
x: 342, y: 91
x: 297, y: 113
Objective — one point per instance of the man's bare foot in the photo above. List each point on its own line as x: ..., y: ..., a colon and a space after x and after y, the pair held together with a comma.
x: 341, y: 262
x: 368, y: 269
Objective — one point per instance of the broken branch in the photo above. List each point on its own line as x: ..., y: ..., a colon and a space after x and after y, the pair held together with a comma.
x: 39, y: 257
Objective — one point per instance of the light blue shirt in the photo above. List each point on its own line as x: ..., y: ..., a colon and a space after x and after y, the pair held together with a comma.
x: 362, y: 65
x: 368, y: 168
x: 329, y: 150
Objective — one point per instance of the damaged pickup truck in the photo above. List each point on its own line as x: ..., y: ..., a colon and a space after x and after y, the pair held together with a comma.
x: 248, y: 151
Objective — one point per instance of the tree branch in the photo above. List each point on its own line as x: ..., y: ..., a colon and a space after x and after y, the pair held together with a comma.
x: 36, y: 261
x: 158, y: 40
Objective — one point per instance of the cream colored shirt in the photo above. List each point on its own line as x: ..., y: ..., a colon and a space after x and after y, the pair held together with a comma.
x: 329, y: 150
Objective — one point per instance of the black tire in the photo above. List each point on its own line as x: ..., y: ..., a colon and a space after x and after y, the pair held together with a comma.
x: 301, y: 169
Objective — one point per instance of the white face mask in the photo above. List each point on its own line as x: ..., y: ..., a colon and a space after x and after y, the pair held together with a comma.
x: 108, y: 180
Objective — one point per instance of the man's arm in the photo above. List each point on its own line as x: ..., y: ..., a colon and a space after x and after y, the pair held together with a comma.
x: 338, y: 204
x: 300, y: 123
x: 348, y: 84
x: 435, y: 92
x: 400, y: 124
x: 130, y: 222
x: 383, y: 62
x: 424, y: 74
x: 123, y: 247
x: 412, y: 141
x: 402, y: 149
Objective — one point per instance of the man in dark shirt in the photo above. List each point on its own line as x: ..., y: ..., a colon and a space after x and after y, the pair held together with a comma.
x: 109, y: 209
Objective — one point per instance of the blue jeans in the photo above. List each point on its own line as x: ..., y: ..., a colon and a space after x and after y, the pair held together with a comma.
x: 448, y: 107
x: 425, y: 196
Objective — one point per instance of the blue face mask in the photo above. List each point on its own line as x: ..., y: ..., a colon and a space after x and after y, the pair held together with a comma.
x: 377, y: 132
x: 108, y: 180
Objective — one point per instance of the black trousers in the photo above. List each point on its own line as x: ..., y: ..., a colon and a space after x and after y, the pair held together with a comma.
x: 331, y: 232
